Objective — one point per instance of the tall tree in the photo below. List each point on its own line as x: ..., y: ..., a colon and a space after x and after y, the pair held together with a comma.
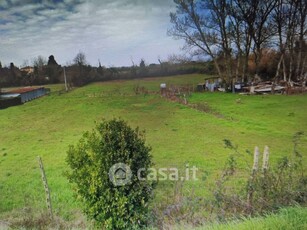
x: 39, y: 62
x: 241, y: 38
x: 190, y: 23
x: 80, y: 59
x: 291, y: 15
x: 142, y: 63
x: 256, y: 14
x: 290, y: 21
x: 81, y: 71
x: 218, y: 18
x: 279, y: 17
x: 302, y: 34
x: 53, y: 70
x: 214, y: 28
x: 13, y: 75
x: 52, y: 61
x: 143, y: 70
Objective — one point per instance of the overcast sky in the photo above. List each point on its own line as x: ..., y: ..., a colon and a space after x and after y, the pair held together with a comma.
x: 113, y: 31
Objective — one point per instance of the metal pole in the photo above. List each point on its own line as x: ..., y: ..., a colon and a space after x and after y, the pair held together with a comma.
x: 65, y: 79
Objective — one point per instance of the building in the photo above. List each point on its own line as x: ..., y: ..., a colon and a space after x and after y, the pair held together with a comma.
x: 22, y: 95
x: 27, y: 69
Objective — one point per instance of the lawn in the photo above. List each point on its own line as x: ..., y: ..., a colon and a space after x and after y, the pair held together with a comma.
x: 290, y: 219
x: 178, y: 135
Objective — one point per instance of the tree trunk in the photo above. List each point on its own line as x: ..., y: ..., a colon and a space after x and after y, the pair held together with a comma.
x: 246, y: 57
x: 299, y: 60
x: 290, y: 67
x: 238, y: 67
x: 228, y: 69
x: 217, y: 67
x: 304, y: 63
x: 257, y: 60
x: 284, y: 69
x: 245, y: 67
x: 278, y: 66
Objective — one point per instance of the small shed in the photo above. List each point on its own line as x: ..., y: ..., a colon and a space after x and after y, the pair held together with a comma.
x: 20, y: 96
x: 212, y: 83
x: 28, y: 93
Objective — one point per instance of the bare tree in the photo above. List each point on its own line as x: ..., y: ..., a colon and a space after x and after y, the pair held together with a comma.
x: 279, y: 17
x: 290, y: 32
x: 241, y: 38
x: 290, y: 21
x: 80, y: 59
x: 191, y: 24
x: 219, y: 15
x: 39, y: 62
x: 256, y: 15
x: 302, y: 33
x: 25, y: 63
x: 215, y: 27
x: 176, y: 58
x: 80, y: 70
x: 133, y: 70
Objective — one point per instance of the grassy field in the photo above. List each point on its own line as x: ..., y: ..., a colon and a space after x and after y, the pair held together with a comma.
x: 178, y: 134
x: 290, y: 219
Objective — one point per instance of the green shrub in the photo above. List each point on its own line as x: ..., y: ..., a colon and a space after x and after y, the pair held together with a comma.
x: 112, y: 205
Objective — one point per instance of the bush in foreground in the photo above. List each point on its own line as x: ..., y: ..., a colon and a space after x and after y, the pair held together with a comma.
x: 115, y: 206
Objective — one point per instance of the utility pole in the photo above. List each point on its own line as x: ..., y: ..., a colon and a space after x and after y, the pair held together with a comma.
x: 65, y: 79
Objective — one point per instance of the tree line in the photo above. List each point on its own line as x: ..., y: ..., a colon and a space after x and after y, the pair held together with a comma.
x: 40, y: 72
x: 239, y: 34
x: 79, y: 72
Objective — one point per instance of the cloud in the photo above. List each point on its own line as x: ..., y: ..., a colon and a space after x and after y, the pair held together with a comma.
x: 110, y: 30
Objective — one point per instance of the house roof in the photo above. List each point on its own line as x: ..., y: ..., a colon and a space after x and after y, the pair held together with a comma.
x: 24, y: 90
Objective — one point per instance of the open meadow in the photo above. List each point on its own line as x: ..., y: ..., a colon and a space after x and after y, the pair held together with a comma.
x: 178, y: 134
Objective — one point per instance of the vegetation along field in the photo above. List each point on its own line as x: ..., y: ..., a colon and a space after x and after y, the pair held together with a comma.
x: 178, y: 134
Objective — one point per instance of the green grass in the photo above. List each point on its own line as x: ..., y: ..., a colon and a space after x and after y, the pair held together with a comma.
x: 178, y: 135
x: 292, y: 218
x: 288, y: 218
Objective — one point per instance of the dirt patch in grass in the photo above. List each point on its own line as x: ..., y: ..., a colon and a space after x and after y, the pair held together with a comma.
x: 204, y: 107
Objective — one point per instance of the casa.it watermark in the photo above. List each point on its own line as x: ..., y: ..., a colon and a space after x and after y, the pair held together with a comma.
x: 120, y: 174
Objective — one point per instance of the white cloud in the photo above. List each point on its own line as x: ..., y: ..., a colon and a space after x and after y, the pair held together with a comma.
x: 111, y: 31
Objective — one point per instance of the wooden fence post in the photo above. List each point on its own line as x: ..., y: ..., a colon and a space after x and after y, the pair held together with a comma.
x: 47, y: 191
x: 265, y: 164
x: 250, y: 191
